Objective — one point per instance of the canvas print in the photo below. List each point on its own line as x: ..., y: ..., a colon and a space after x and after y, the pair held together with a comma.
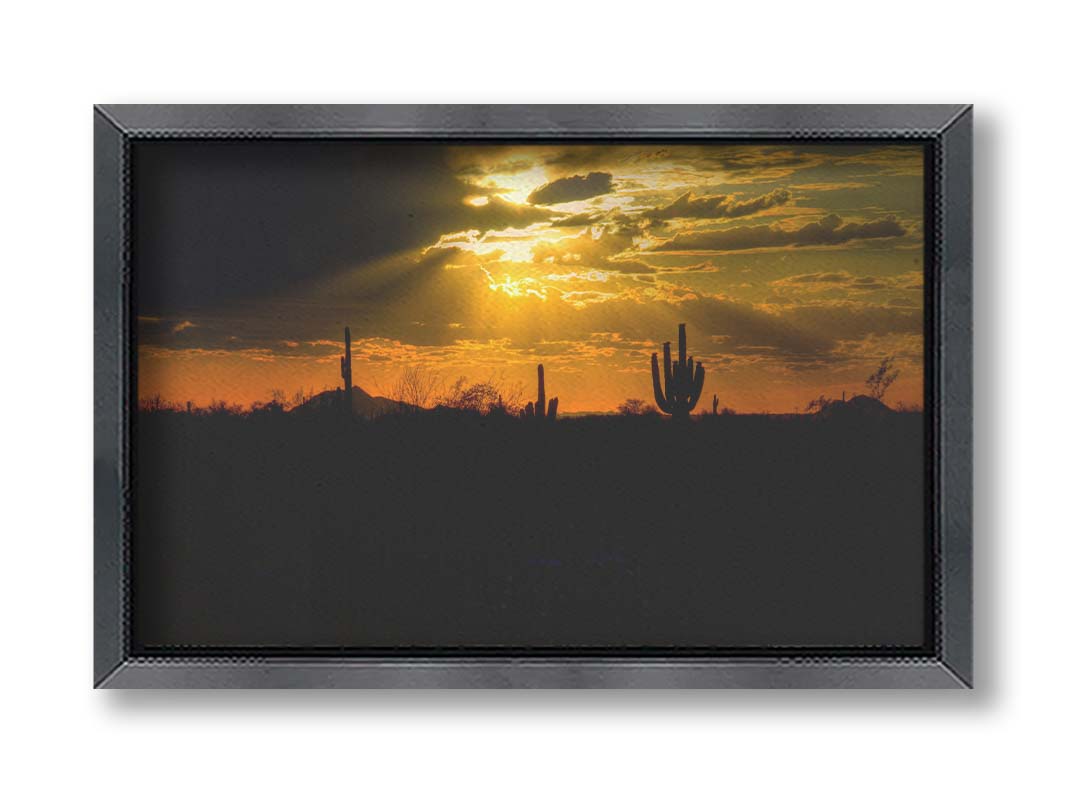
x: 576, y: 397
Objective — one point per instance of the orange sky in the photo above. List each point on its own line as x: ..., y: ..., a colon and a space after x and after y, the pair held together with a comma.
x: 796, y: 268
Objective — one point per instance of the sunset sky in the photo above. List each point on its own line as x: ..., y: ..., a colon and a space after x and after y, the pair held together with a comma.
x: 797, y: 268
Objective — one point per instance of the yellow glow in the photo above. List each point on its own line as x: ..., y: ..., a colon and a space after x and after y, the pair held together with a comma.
x: 511, y: 244
x: 519, y: 184
x: 515, y: 287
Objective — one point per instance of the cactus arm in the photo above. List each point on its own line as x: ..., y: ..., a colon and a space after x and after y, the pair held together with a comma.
x: 540, y: 405
x: 661, y: 401
x: 698, y: 387
x: 681, y: 343
x: 668, y: 375
x: 553, y: 406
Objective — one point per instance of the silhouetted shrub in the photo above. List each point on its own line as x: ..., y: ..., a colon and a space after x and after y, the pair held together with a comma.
x: 635, y: 407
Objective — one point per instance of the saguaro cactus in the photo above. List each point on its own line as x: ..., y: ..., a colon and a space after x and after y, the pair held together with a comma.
x: 715, y: 404
x: 538, y: 410
x: 682, y: 380
x: 346, y: 368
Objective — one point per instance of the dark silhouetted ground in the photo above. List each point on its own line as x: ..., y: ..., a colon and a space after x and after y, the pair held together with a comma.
x: 453, y: 531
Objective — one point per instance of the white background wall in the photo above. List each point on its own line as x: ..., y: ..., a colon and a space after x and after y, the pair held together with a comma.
x: 65, y: 740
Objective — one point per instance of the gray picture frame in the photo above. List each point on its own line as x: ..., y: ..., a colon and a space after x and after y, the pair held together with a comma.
x: 947, y: 129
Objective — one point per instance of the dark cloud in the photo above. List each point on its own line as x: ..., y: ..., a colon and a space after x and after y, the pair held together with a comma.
x: 846, y: 280
x: 576, y: 157
x: 867, y: 283
x: 815, y: 277
x: 579, y: 220
x: 704, y: 266
x: 743, y: 163
x: 719, y: 206
x: 902, y: 302
x: 627, y: 266
x: 576, y: 187
x: 830, y: 230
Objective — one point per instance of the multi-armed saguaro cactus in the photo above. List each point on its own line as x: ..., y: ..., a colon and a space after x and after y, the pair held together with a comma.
x: 682, y: 380
x: 538, y: 410
x: 346, y: 368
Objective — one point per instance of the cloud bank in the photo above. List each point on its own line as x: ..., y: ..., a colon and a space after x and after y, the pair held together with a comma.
x: 719, y: 206
x: 830, y: 230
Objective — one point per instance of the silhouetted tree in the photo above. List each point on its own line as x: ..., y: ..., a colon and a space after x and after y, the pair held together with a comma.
x: 879, y: 381
x: 483, y: 397
x: 415, y: 387
x: 220, y: 408
x: 818, y: 404
x: 635, y: 407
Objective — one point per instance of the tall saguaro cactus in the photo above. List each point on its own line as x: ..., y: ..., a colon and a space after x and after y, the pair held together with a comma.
x: 682, y: 380
x: 539, y: 410
x: 346, y: 368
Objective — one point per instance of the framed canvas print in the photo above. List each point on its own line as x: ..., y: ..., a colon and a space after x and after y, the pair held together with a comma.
x: 533, y: 396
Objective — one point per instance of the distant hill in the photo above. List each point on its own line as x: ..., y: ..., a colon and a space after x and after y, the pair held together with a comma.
x: 859, y: 407
x: 363, y: 404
